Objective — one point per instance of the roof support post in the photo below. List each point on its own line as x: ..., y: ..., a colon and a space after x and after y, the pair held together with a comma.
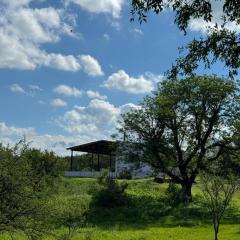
x: 71, y: 161
x: 110, y: 162
x: 98, y: 162
x: 92, y: 163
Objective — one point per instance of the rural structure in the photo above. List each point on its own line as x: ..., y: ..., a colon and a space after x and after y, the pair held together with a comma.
x: 106, y: 150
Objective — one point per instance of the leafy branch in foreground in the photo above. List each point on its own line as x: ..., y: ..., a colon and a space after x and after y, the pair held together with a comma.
x: 223, y: 45
x: 222, y: 38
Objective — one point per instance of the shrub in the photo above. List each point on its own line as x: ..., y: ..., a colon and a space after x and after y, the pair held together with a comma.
x: 125, y: 174
x: 23, y: 188
x: 173, y: 195
x: 158, y: 180
x: 111, y: 193
x: 69, y: 214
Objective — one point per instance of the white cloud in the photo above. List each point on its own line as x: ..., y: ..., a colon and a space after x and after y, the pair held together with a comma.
x: 91, y: 65
x: 122, y: 81
x: 154, y: 77
x: 31, y: 91
x: 15, y: 3
x: 58, y: 102
x: 57, y: 143
x: 61, y: 62
x: 99, y: 112
x: 112, y: 7
x: 138, y: 31
x: 97, y: 120
x: 23, y: 32
x: 127, y: 107
x: 17, y: 88
x: 115, y: 24
x: 6, y: 131
x: 67, y: 91
x: 106, y: 36
x: 35, y: 88
x: 202, y: 26
x: 95, y: 94
x: 34, y: 25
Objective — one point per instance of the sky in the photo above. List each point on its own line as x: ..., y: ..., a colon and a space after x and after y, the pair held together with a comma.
x: 70, y: 68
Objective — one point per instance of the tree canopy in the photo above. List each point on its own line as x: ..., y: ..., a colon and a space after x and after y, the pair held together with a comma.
x: 222, y: 41
x: 184, y: 126
x: 27, y: 178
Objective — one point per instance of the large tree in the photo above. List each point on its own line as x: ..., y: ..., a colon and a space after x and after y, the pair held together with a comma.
x: 222, y: 42
x: 184, y: 126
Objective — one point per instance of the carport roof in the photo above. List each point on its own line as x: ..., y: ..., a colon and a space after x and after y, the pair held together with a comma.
x: 99, y: 147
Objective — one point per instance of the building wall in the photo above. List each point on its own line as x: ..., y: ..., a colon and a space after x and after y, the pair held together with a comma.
x: 141, y: 171
x: 86, y: 174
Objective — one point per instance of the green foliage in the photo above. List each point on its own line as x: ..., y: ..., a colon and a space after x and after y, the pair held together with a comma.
x: 44, y: 163
x: 184, y: 126
x: 25, y: 184
x: 68, y: 213
x: 221, y: 42
x: 174, y: 195
x: 88, y: 162
x: 111, y: 194
x: 147, y: 215
x: 125, y: 174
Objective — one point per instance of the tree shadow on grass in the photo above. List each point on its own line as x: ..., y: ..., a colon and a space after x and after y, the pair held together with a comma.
x: 140, y: 212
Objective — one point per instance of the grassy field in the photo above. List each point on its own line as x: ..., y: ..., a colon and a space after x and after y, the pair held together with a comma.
x: 146, y: 217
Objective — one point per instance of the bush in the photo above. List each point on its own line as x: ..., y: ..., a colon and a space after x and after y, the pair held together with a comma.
x: 125, y: 174
x: 44, y: 163
x: 68, y: 214
x: 111, y: 193
x: 159, y: 180
x: 24, y: 187
x: 45, y: 169
x: 173, y: 195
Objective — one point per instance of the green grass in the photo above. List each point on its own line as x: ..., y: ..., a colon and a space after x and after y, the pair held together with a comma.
x: 161, y: 233
x: 146, y: 217
x: 227, y: 232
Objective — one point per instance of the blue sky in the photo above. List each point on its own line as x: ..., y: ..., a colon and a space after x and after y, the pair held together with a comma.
x: 69, y: 68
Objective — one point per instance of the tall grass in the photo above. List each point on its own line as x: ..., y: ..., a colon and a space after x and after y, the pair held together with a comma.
x: 146, y: 215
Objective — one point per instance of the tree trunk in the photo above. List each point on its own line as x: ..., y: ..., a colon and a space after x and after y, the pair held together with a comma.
x: 216, y: 234
x: 187, y: 191
x: 216, y: 229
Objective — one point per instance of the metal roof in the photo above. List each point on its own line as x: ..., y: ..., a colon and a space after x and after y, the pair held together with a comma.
x: 99, y: 147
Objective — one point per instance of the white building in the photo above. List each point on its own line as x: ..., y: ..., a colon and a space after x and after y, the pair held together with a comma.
x: 117, y: 164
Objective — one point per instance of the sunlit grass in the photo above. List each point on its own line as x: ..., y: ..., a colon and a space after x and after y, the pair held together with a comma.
x: 146, y: 217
